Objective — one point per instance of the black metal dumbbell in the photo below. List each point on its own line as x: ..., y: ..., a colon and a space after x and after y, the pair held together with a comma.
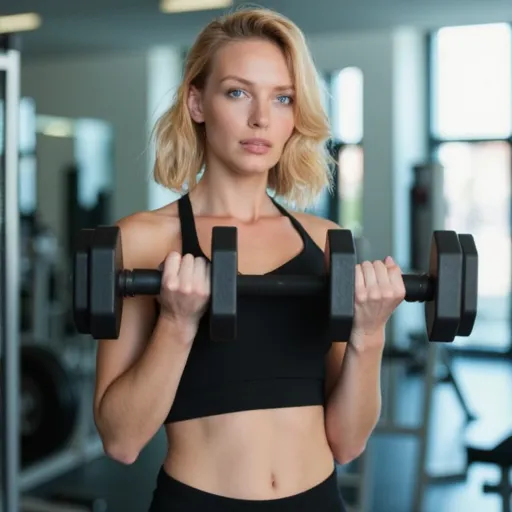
x: 449, y: 289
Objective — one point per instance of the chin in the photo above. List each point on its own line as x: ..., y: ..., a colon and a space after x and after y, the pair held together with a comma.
x: 254, y: 165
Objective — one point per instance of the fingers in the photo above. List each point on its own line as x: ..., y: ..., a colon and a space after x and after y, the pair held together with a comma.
x: 372, y: 281
x: 379, y: 280
x: 186, y: 273
x: 360, y: 285
x: 171, y: 268
x: 396, y: 279
x: 201, y: 277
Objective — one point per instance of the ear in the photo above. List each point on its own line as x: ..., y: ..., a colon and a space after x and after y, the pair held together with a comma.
x: 195, y: 104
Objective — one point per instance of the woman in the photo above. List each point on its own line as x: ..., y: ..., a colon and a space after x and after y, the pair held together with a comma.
x: 256, y: 423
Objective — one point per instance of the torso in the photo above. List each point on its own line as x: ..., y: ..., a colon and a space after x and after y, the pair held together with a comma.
x: 260, y: 454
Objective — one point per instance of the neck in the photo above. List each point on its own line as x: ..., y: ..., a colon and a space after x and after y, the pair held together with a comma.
x: 239, y: 197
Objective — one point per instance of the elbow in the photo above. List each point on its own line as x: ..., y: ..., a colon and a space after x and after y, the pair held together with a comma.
x: 114, y: 447
x: 123, y: 454
x: 117, y: 449
x: 345, y: 455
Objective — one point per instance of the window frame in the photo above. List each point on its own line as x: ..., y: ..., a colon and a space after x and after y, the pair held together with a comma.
x: 335, y: 146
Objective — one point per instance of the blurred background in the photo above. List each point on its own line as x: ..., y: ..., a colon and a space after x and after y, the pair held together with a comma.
x: 419, y: 95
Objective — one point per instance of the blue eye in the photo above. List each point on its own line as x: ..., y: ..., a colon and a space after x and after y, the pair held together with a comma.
x: 289, y: 98
x: 232, y: 92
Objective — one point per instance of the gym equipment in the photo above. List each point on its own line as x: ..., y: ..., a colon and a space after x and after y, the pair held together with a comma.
x: 100, y: 282
x: 10, y: 269
x: 49, y: 404
x: 501, y: 456
x: 62, y: 502
x: 427, y: 216
x: 18, y: 410
x: 227, y: 285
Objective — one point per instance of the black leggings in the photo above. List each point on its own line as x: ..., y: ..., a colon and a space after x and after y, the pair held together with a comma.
x: 171, y: 495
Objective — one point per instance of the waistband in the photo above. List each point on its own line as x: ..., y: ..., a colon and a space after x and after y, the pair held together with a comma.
x: 323, y: 497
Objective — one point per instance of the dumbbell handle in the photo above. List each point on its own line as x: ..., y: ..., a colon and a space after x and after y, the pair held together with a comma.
x: 139, y: 282
x: 418, y: 287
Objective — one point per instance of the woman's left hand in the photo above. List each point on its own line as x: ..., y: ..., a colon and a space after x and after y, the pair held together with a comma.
x: 379, y: 289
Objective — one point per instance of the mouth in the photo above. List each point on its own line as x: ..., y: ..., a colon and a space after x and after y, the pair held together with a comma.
x: 256, y: 142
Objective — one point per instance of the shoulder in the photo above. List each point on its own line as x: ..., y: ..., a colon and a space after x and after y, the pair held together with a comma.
x: 148, y: 236
x: 315, y: 226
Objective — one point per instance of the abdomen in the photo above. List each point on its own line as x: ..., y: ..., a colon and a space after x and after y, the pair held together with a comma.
x: 262, y: 454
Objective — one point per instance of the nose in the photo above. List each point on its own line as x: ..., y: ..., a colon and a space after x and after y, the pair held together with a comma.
x: 260, y: 115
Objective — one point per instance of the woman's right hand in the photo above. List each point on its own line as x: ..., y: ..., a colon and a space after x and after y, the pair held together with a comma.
x: 185, y: 289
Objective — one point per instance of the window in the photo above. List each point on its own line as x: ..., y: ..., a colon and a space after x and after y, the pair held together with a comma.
x: 477, y: 183
x: 347, y: 115
x: 347, y: 127
x: 472, y: 81
x: 471, y: 135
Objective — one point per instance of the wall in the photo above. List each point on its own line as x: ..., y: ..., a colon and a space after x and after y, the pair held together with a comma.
x: 108, y: 87
x: 53, y: 155
x: 164, y: 74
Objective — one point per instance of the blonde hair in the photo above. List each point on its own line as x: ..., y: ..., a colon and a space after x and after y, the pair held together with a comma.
x: 303, y: 170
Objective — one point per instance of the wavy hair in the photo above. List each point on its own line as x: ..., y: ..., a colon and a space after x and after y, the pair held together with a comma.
x: 303, y: 170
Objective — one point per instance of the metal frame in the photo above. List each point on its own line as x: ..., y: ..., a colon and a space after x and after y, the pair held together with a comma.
x: 9, y: 342
x: 84, y: 446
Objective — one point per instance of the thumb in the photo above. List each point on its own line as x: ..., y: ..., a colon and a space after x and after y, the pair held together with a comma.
x: 389, y: 262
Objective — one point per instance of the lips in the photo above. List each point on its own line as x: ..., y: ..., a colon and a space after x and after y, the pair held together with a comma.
x: 256, y: 142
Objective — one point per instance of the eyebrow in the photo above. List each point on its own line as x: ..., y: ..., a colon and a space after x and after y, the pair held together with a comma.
x: 248, y: 82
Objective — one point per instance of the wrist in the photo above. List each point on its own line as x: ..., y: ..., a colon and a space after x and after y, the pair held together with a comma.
x: 179, y: 329
x: 367, y: 341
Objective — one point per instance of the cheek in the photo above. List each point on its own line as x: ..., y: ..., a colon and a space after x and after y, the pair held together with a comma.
x: 286, y: 124
x: 224, y: 118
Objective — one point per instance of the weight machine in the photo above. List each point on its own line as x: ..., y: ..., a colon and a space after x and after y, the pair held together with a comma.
x: 16, y: 478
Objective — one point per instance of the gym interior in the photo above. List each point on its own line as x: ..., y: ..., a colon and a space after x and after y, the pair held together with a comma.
x: 419, y: 96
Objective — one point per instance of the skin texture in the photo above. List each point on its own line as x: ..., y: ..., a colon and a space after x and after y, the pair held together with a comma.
x: 262, y: 454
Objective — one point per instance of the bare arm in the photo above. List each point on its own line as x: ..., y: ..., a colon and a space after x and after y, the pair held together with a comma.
x: 352, y: 384
x: 137, y: 375
x: 354, y: 403
x: 133, y: 407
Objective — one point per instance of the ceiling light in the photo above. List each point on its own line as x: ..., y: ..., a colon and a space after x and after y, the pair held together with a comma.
x: 55, y: 126
x: 19, y: 22
x: 193, y: 5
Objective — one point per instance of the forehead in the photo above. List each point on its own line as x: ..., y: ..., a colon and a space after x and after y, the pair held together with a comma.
x: 255, y: 60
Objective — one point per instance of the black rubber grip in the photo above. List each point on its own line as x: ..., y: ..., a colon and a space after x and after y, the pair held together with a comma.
x: 140, y: 282
x: 418, y: 287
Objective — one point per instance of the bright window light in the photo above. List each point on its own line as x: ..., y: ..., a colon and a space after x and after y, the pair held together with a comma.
x: 193, y: 5
x: 19, y: 22
x: 472, y: 80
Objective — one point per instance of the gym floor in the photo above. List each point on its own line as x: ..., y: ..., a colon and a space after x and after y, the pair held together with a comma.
x: 129, y: 488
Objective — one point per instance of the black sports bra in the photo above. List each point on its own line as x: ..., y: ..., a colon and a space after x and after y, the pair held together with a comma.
x: 278, y: 358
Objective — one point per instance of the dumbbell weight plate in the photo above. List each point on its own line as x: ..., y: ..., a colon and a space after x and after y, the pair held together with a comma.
x: 105, y: 300
x: 469, y: 284
x: 224, y: 270
x: 80, y: 282
x: 341, y: 251
x: 442, y: 315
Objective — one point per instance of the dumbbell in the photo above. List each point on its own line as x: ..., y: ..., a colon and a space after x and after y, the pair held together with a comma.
x: 449, y: 290
x: 100, y: 282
